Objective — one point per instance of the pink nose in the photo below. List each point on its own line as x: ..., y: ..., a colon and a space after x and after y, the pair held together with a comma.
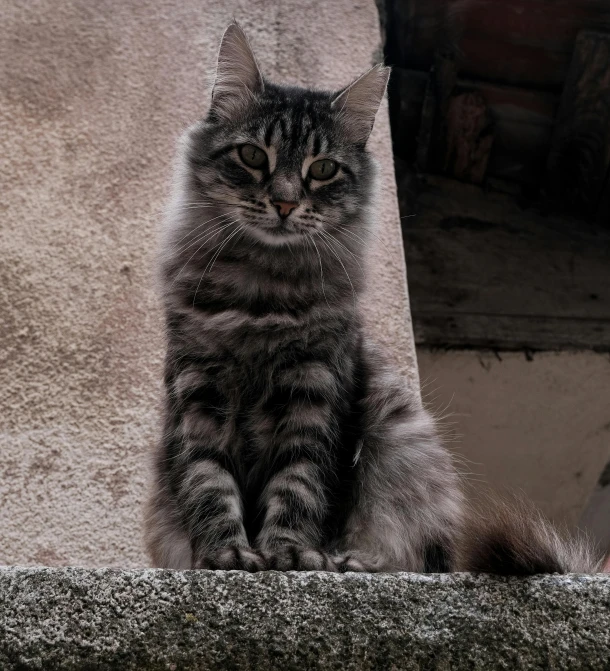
x: 284, y: 208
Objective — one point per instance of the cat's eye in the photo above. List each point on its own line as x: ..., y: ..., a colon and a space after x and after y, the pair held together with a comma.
x: 323, y: 169
x: 252, y: 156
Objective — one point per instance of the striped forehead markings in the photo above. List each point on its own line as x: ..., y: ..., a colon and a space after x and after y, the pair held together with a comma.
x: 291, y: 130
x: 295, y: 127
x: 269, y: 133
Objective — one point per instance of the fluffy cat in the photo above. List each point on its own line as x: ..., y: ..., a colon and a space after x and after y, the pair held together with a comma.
x: 289, y: 441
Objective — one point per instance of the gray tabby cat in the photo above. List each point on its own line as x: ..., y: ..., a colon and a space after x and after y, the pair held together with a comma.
x: 289, y: 441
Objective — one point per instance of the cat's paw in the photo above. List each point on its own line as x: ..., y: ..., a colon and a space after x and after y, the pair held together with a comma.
x: 358, y: 562
x: 231, y: 558
x: 346, y: 563
x: 297, y: 558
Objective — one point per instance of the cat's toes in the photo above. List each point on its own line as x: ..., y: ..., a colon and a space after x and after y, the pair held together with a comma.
x: 295, y: 558
x: 232, y: 558
x: 345, y: 563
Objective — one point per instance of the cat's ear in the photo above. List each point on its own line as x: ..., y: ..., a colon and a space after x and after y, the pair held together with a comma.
x: 238, y: 77
x: 357, y: 104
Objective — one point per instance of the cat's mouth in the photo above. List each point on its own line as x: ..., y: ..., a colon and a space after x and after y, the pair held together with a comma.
x: 279, y: 232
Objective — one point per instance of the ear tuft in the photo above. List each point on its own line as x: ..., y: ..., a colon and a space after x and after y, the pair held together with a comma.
x: 358, y: 103
x: 238, y: 76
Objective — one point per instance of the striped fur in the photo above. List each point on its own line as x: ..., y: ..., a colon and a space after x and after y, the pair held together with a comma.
x: 289, y: 442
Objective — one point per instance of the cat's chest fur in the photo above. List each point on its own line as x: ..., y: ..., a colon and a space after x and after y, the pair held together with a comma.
x: 252, y: 349
x: 264, y: 322
x: 257, y: 353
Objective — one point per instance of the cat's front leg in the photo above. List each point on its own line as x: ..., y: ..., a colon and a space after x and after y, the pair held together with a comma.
x: 206, y: 490
x: 295, y: 506
x: 212, y: 507
x: 211, y: 504
x: 294, y: 502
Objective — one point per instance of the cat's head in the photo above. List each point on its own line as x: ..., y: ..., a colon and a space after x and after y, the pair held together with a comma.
x: 288, y: 162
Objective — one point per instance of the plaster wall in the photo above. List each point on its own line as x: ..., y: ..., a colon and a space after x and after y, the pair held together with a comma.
x: 93, y: 96
x: 539, y: 426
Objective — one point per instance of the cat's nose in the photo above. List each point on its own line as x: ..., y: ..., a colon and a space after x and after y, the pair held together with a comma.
x: 283, y: 208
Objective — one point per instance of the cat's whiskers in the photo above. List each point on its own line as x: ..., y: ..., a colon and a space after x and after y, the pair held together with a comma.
x: 204, y: 223
x: 356, y: 258
x: 206, y: 237
x: 212, y: 260
x: 192, y: 257
x: 348, y: 231
x: 342, y: 265
x: 220, y: 226
x: 321, y: 268
x: 239, y: 230
x: 290, y: 249
x: 215, y: 228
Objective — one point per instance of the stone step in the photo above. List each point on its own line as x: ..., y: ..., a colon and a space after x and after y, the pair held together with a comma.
x: 71, y: 618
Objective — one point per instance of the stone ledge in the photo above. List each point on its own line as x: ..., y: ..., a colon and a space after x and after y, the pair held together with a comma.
x: 74, y: 618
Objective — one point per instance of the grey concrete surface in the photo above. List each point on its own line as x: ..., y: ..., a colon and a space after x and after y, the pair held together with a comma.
x: 93, y: 96
x: 177, y: 621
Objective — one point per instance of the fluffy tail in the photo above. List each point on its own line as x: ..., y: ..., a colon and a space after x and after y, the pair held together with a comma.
x: 514, y: 539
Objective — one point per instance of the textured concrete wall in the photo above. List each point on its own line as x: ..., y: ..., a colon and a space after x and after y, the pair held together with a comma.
x: 540, y: 426
x: 93, y: 96
x: 177, y: 621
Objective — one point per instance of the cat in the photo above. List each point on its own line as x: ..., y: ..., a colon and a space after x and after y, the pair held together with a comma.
x: 289, y: 440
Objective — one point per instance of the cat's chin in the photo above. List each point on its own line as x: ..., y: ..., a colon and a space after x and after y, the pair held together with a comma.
x: 275, y: 237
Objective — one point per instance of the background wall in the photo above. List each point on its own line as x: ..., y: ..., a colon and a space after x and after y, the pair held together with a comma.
x: 539, y: 425
x: 500, y: 117
x: 92, y: 99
